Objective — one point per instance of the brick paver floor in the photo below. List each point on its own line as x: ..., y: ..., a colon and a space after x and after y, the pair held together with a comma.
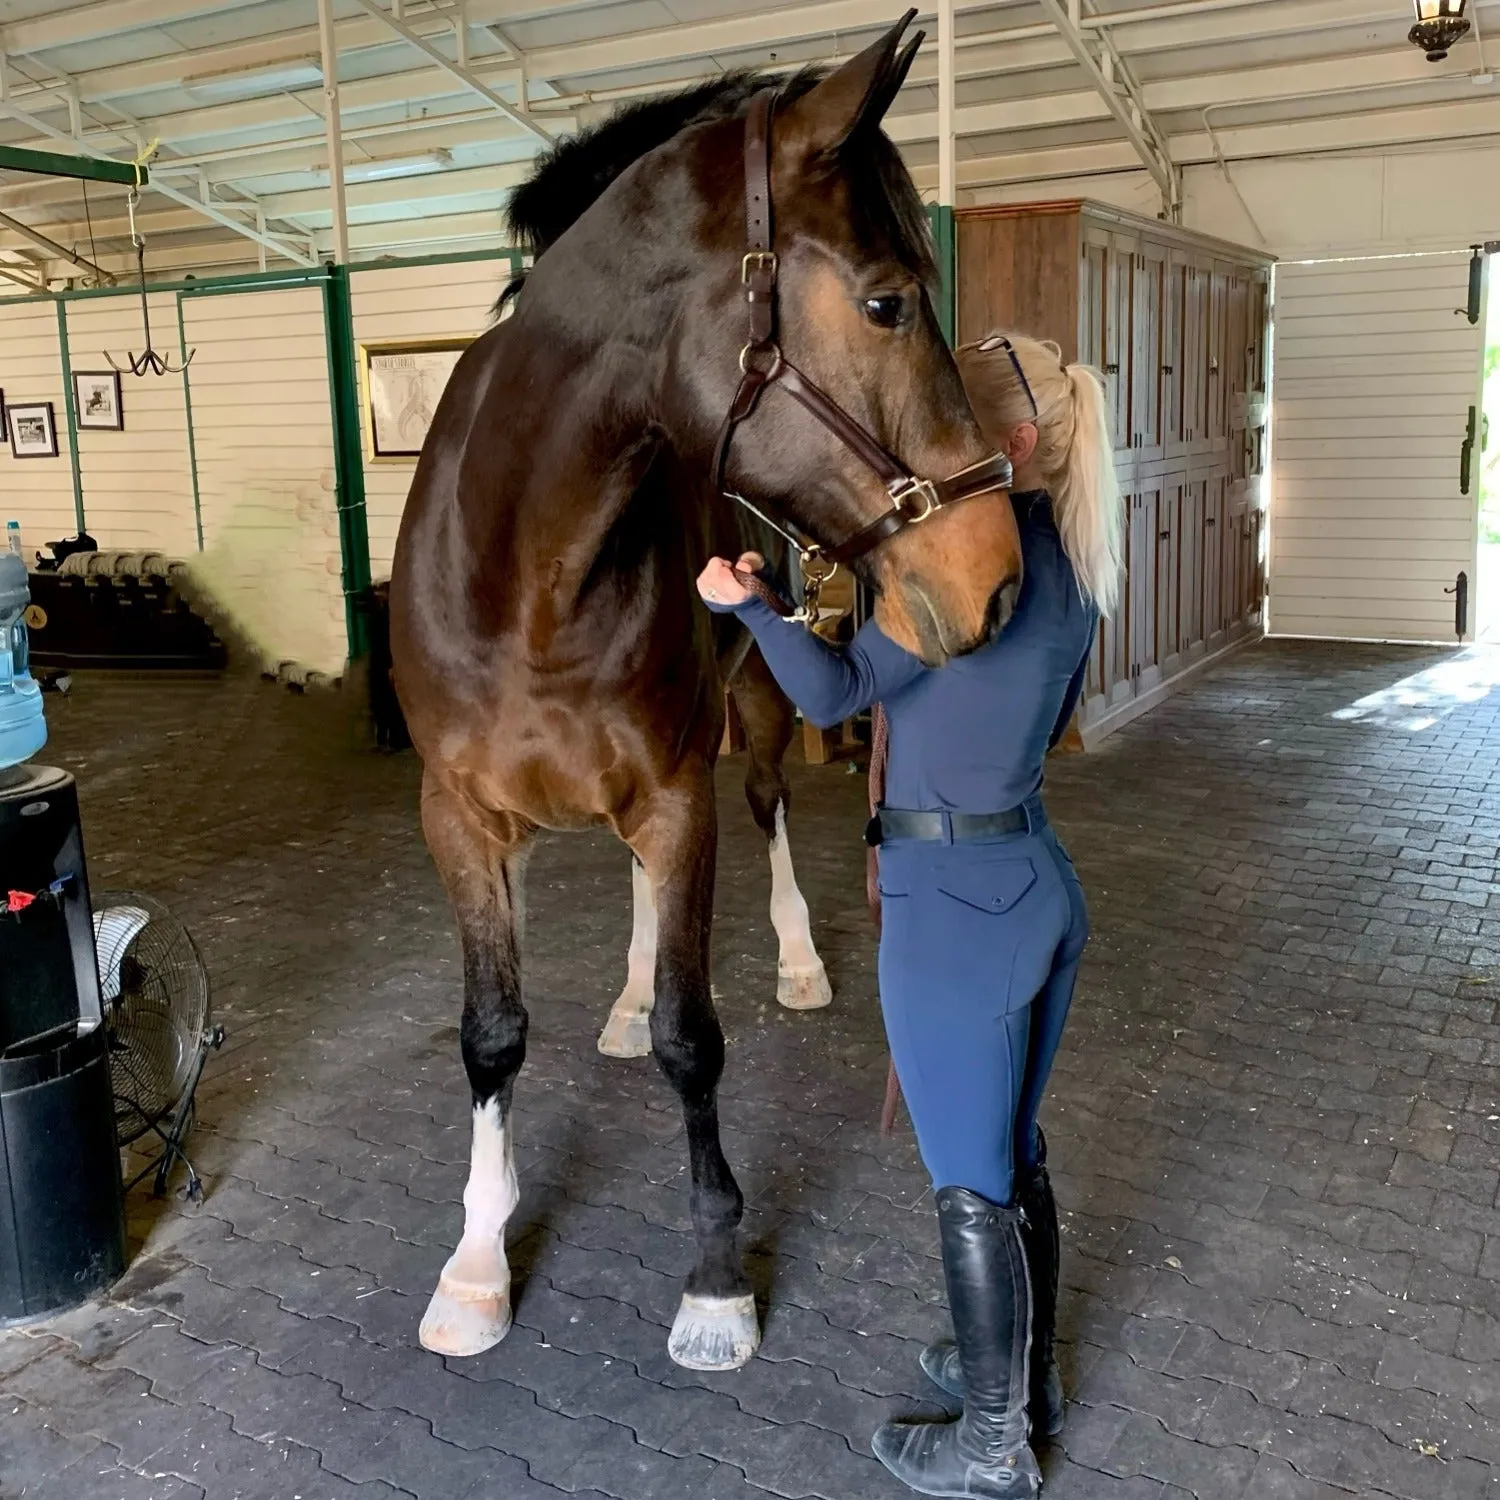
x: 1275, y: 1128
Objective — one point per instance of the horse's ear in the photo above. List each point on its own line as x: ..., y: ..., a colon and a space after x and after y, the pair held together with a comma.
x: 852, y: 96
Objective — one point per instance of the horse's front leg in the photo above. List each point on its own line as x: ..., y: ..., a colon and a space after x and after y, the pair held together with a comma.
x: 480, y: 863
x: 716, y: 1326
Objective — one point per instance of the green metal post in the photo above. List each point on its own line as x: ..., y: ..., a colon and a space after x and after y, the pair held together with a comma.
x: 940, y: 218
x: 68, y: 393
x: 343, y: 386
x: 187, y: 407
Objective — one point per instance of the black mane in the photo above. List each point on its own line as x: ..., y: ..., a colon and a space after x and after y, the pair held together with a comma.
x: 571, y: 175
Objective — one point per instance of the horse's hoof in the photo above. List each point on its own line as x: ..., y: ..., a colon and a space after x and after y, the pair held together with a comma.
x: 804, y: 989
x: 462, y: 1319
x: 626, y: 1036
x: 714, y: 1333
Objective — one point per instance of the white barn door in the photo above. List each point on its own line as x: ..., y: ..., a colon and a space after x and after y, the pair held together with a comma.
x: 1375, y: 371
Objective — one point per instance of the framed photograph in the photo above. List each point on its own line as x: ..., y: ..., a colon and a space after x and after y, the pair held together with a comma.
x: 96, y: 400
x: 403, y: 383
x: 33, y: 430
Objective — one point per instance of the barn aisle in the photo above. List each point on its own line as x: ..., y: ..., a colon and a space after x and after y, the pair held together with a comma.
x: 1275, y: 1129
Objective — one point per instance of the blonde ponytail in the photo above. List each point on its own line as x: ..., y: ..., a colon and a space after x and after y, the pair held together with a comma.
x: 1015, y: 379
x: 1086, y: 492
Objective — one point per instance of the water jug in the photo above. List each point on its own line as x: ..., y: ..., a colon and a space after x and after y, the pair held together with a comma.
x: 23, y: 729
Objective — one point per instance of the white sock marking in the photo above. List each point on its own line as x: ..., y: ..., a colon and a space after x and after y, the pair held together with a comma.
x: 627, y: 1032
x: 789, y: 913
x: 470, y: 1311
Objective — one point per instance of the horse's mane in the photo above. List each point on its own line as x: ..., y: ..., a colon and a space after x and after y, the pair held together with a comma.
x: 571, y: 175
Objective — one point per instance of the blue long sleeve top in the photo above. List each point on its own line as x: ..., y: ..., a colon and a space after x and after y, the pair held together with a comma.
x: 969, y: 736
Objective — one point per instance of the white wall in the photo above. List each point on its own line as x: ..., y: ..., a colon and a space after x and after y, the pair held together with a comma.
x: 263, y: 434
x: 37, y: 492
x: 137, y: 484
x: 394, y: 304
x: 1306, y: 208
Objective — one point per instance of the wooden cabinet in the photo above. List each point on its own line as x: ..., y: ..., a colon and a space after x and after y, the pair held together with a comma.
x: 1177, y: 324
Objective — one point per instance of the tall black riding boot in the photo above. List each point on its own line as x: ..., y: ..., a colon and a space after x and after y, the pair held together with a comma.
x: 983, y: 1455
x: 1039, y: 1234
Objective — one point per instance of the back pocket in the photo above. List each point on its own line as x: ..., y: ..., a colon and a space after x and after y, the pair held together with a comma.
x: 994, y: 886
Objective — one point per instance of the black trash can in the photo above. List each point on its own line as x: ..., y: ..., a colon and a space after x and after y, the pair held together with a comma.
x: 62, y: 1228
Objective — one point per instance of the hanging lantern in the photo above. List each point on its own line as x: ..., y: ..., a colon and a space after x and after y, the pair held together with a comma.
x: 1440, y: 23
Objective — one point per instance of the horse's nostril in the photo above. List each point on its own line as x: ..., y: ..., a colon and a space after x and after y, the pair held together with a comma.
x: 1002, y: 607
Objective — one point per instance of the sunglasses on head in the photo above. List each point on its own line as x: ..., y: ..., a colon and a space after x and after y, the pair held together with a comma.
x: 999, y: 341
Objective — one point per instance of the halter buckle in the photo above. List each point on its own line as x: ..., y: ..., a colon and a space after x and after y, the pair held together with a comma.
x: 923, y: 487
x: 759, y: 260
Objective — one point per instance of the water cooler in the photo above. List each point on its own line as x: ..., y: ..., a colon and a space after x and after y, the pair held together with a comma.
x: 62, y: 1232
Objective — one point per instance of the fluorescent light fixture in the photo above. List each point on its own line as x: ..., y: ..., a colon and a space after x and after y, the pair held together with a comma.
x: 380, y: 168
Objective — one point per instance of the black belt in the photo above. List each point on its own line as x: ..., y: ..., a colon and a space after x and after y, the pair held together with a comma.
x: 952, y: 827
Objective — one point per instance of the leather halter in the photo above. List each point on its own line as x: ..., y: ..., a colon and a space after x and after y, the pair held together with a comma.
x: 762, y: 363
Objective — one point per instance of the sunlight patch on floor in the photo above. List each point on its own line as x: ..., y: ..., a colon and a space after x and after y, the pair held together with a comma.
x: 1419, y: 701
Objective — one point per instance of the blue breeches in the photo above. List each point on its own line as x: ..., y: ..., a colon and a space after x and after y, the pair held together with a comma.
x: 979, y: 949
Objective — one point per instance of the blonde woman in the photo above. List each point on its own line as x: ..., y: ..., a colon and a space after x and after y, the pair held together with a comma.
x: 983, y: 920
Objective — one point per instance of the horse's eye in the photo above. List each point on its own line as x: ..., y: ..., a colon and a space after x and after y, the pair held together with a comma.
x: 885, y: 312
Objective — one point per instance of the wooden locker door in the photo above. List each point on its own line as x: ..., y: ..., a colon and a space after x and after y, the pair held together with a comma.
x: 1118, y: 330
x: 1194, y: 356
x: 1213, y: 562
x: 1142, y: 589
x: 1257, y: 313
x: 1091, y: 298
x: 1110, y: 671
x: 1174, y: 311
x: 1244, y: 557
x: 1149, y: 647
x: 1216, y: 376
x: 1190, y: 569
x: 1256, y: 613
x: 1236, y: 371
x: 1168, y: 585
x: 1148, y: 352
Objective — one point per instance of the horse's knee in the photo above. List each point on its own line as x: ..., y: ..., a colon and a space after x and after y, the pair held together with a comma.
x: 688, y: 1045
x: 494, y: 1047
x: 766, y: 790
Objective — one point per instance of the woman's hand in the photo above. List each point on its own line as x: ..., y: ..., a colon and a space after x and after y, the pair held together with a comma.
x: 718, y: 583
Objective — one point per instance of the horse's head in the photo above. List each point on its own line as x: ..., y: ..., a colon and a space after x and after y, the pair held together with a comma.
x: 853, y: 313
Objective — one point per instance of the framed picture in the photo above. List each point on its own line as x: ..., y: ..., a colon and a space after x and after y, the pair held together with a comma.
x: 403, y: 383
x: 96, y: 399
x: 33, y: 430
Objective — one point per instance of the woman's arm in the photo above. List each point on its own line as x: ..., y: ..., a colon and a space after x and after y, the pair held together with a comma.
x: 828, y: 683
x: 1075, y: 687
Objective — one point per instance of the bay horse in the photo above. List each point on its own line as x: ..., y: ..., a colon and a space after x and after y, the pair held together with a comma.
x: 554, y: 664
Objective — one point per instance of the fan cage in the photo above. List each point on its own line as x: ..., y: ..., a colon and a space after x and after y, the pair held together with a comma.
x: 155, y: 992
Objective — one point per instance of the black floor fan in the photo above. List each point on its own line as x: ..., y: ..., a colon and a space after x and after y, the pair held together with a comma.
x: 155, y: 990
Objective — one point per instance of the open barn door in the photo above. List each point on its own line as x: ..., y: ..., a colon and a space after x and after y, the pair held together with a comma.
x: 1375, y: 458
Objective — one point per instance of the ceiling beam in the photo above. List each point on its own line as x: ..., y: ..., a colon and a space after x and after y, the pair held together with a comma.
x: 1016, y: 48
x: 470, y: 80
x: 1122, y: 98
x: 1426, y: 125
x: 67, y: 26
x: 18, y: 274
x: 58, y: 252
x: 208, y: 210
